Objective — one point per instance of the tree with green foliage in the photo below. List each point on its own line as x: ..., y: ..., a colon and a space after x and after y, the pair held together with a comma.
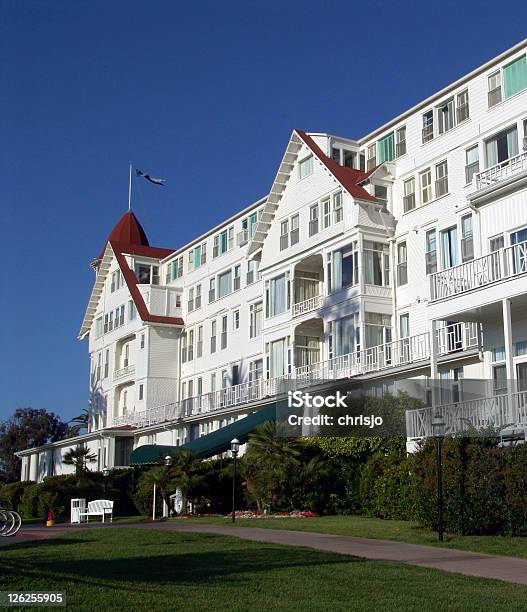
x: 268, y: 464
x: 27, y: 428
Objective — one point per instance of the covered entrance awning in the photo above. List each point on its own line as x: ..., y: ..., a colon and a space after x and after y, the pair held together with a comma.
x: 207, y: 446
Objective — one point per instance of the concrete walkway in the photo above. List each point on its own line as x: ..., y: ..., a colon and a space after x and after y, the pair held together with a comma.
x: 510, y: 569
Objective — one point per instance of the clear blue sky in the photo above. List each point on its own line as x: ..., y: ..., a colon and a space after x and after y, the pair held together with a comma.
x: 204, y: 96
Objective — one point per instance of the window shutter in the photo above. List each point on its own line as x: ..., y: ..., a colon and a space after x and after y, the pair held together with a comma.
x: 386, y: 149
x: 515, y: 76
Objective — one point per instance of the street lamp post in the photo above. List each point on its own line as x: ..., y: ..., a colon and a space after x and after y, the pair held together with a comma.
x: 105, y: 473
x: 438, y: 429
x: 235, y: 447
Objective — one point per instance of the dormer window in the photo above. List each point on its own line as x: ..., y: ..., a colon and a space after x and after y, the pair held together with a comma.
x: 147, y: 274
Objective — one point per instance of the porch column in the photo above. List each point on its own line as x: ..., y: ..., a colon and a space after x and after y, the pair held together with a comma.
x: 33, y: 467
x: 434, y: 371
x: 110, y: 453
x: 507, y: 337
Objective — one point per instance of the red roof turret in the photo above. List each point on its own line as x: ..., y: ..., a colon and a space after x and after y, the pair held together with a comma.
x: 128, y: 232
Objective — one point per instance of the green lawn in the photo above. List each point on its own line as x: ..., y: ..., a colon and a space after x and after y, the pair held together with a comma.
x: 400, y: 531
x: 137, y: 569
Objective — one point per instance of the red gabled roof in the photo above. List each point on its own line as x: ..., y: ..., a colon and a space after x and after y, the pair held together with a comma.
x: 131, y: 279
x: 127, y: 231
x: 349, y: 178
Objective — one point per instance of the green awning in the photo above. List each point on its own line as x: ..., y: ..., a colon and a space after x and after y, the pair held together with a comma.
x: 207, y: 446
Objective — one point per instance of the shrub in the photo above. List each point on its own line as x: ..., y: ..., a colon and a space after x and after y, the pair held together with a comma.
x: 28, y: 507
x: 11, y: 494
x: 483, y: 487
x: 386, y: 487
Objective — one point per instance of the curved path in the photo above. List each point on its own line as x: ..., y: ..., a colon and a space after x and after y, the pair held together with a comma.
x: 510, y: 569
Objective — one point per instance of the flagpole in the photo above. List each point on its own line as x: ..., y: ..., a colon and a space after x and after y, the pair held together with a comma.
x: 130, y: 189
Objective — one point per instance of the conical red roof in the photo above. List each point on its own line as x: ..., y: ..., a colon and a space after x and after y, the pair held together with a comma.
x: 128, y: 231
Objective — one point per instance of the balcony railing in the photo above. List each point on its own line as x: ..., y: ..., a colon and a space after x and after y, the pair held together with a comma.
x: 406, y: 352
x: 480, y: 414
x: 122, y: 372
x: 501, y: 171
x: 307, y: 305
x: 481, y: 272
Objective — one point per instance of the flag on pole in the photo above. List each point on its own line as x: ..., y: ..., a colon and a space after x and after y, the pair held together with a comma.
x: 156, y: 181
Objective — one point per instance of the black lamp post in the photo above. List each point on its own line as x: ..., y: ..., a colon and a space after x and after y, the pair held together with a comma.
x: 105, y: 473
x: 235, y: 447
x: 438, y: 429
x: 168, y: 463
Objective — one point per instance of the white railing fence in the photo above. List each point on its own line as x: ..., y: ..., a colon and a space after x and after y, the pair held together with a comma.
x: 504, y: 263
x: 488, y: 412
x: 307, y: 305
x: 399, y: 353
x: 122, y: 372
x: 502, y: 171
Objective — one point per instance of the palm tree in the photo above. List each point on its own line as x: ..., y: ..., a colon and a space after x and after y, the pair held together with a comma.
x: 79, y: 457
x: 80, y: 422
x: 268, y: 464
x: 161, y: 478
x: 186, y: 475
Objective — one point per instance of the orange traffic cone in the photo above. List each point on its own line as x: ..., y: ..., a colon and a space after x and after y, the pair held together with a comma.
x: 51, y: 519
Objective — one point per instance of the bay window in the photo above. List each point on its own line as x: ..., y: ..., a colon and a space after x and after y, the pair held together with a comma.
x: 277, y: 295
x: 376, y: 263
x: 377, y: 329
x: 343, y: 268
x: 344, y: 336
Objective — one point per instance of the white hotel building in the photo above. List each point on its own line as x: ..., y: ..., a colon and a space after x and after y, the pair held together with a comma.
x: 400, y: 254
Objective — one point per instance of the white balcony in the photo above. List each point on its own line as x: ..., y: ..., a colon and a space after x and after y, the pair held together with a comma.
x: 479, y: 273
x: 307, y: 305
x: 502, y: 171
x: 492, y: 412
x: 124, y: 372
x: 411, y: 352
